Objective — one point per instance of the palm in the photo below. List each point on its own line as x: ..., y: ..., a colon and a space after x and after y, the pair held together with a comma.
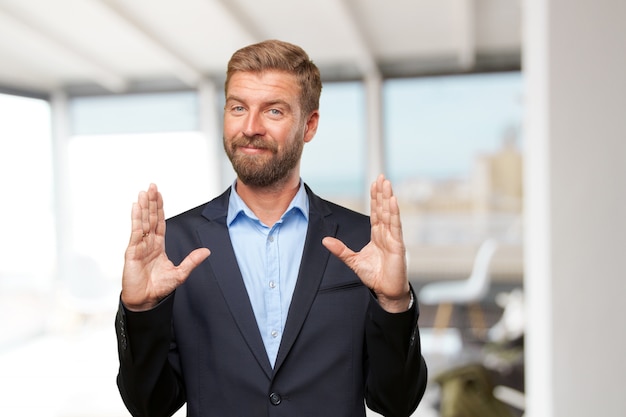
x: 148, y: 274
x: 381, y: 264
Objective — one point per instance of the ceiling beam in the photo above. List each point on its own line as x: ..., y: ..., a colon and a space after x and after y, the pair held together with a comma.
x: 467, y: 32
x: 240, y: 17
x: 366, y: 62
x: 185, y: 70
x: 103, y: 75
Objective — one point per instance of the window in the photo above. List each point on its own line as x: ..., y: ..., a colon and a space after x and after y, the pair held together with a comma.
x: 333, y: 163
x: 454, y: 153
x: 121, y: 145
x: 27, y: 238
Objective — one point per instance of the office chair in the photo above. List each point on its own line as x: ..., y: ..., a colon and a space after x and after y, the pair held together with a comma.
x: 470, y: 291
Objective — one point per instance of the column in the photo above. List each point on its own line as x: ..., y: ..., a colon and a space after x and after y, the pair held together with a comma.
x: 575, y: 180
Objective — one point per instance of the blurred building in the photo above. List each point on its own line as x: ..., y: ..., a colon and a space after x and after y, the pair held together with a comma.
x: 497, y: 178
x: 445, y: 220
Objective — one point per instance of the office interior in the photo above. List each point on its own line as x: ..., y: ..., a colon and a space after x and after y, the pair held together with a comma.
x: 516, y: 251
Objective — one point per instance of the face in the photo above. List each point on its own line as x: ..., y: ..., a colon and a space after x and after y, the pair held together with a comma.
x: 264, y: 129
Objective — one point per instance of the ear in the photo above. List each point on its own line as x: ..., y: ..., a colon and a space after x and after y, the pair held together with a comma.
x: 310, y: 128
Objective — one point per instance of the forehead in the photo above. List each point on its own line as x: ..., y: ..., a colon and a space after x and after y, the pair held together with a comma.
x: 265, y: 85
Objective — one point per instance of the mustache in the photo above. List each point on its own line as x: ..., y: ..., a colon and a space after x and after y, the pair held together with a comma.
x: 255, y: 142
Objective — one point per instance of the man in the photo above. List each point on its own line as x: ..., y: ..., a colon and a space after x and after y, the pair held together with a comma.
x: 303, y: 308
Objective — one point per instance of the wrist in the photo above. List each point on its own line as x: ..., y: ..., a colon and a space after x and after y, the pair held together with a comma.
x: 397, y: 305
x: 136, y: 306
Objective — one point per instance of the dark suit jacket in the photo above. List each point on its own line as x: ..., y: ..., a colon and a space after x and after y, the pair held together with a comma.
x: 202, y: 344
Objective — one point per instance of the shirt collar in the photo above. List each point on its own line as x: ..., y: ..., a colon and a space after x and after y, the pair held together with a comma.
x: 236, y: 206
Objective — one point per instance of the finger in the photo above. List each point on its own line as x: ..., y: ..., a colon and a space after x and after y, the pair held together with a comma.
x: 136, y: 231
x: 191, y: 261
x: 153, y: 197
x: 160, y: 227
x: 373, y: 215
x: 144, y: 204
x: 395, y: 221
x: 338, y: 248
x: 385, y: 195
x: 376, y: 200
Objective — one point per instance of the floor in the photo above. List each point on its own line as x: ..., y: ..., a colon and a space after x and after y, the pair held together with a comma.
x: 458, y: 346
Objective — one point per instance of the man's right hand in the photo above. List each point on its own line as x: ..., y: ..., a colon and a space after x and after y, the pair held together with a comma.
x: 149, y: 275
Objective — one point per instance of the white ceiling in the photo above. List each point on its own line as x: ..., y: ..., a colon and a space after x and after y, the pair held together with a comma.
x: 122, y: 45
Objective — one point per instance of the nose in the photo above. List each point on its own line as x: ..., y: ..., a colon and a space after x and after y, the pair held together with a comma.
x: 253, y: 125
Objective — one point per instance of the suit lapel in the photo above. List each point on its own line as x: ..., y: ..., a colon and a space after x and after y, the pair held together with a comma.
x: 214, y: 235
x: 312, y: 267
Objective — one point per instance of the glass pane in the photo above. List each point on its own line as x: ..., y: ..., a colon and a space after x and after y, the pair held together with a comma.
x: 437, y: 126
x: 333, y: 163
x: 106, y: 174
x: 454, y: 152
x: 72, y: 317
x: 134, y: 113
x: 27, y: 240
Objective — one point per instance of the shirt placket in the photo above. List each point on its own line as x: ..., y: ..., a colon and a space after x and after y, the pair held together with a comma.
x: 272, y: 292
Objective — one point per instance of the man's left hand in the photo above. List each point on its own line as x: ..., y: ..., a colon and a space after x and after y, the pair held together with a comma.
x: 381, y: 264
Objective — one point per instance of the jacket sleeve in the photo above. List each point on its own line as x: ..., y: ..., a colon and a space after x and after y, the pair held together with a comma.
x: 397, y: 373
x: 149, y: 376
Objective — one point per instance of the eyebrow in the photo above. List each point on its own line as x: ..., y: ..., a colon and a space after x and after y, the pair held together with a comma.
x: 267, y: 103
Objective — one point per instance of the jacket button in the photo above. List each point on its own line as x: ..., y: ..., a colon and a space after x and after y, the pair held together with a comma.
x: 275, y: 398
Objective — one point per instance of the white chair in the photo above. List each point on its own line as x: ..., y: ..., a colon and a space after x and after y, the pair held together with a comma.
x: 470, y: 291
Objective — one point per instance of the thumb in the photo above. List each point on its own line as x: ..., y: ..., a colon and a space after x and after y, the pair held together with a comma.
x: 337, y: 248
x: 191, y: 261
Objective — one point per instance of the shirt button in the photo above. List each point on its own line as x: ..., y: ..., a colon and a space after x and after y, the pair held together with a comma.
x: 275, y: 398
x: 274, y: 333
x: 270, y: 238
x: 272, y: 284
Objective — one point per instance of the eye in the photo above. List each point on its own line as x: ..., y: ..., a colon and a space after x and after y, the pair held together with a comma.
x: 237, y: 109
x: 275, y: 112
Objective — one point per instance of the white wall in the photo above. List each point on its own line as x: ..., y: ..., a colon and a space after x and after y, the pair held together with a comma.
x: 575, y: 69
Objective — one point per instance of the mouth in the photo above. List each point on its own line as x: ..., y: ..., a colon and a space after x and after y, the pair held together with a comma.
x: 252, y: 146
x: 251, y: 149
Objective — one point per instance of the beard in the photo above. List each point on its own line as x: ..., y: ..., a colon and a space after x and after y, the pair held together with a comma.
x: 263, y: 170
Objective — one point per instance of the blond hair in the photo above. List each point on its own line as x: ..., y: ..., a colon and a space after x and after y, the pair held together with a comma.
x: 280, y: 56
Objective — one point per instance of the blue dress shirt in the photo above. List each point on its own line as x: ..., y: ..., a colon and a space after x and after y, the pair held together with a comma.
x: 269, y: 259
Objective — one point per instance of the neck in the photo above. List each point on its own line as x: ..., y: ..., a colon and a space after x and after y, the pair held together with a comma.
x: 269, y: 203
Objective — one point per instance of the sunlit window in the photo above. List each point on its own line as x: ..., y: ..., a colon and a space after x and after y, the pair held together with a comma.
x: 121, y: 145
x: 333, y: 163
x: 436, y: 127
x: 454, y: 152
x: 27, y: 241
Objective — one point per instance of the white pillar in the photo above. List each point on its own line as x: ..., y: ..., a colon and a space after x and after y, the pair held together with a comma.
x: 59, y: 110
x: 210, y: 128
x: 575, y: 178
x: 375, y: 149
